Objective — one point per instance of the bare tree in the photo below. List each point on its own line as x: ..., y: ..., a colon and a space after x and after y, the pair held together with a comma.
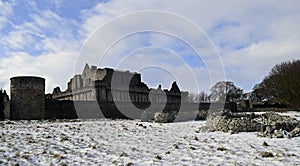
x: 191, y: 97
x: 201, y: 97
x: 225, y: 91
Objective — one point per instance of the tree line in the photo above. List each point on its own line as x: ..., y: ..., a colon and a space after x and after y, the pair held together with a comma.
x: 222, y: 91
x: 281, y: 85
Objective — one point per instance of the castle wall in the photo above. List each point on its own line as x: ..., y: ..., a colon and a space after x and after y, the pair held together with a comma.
x: 67, y: 109
x: 55, y: 109
x: 27, y: 98
x: 102, y: 93
x: 108, y: 87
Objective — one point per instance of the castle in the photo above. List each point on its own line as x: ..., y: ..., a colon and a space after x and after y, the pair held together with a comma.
x: 95, y: 93
x: 108, y: 93
x: 111, y: 85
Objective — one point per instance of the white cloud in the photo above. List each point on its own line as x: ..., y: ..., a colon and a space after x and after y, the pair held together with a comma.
x: 55, y: 67
x: 173, y: 28
x: 160, y: 65
x: 46, y: 46
x: 251, y: 64
x: 6, y: 10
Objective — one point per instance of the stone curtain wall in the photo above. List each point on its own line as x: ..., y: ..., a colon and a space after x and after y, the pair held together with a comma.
x: 56, y: 109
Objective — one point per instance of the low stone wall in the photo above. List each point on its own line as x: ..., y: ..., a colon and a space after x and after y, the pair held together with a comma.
x: 161, y: 117
x: 268, y: 124
x: 233, y: 124
x: 182, y: 116
x: 191, y: 111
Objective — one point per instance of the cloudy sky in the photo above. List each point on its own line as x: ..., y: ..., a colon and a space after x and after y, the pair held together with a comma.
x: 196, y: 42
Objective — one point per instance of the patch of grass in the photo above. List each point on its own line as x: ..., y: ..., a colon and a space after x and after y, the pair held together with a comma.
x: 25, y: 157
x: 265, y: 144
x: 175, y: 146
x: 57, y: 156
x: 158, y: 157
x: 266, y: 154
x: 221, y: 149
x: 123, y: 154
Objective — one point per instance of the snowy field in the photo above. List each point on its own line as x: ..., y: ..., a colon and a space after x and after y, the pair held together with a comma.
x: 125, y: 142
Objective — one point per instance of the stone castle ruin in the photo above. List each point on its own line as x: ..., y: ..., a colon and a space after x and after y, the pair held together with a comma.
x: 102, y: 84
x: 108, y: 93
x: 114, y: 92
x: 95, y: 93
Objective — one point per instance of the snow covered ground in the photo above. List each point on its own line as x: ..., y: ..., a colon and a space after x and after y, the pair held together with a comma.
x: 126, y: 142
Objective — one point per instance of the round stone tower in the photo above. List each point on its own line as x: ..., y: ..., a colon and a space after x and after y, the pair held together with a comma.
x: 27, y: 98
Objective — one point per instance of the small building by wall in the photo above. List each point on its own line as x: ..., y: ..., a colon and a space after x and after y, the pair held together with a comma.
x: 27, y: 98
